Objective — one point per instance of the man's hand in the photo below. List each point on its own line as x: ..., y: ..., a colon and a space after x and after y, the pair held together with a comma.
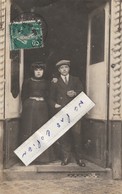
x: 71, y: 93
x: 57, y: 105
x: 54, y: 80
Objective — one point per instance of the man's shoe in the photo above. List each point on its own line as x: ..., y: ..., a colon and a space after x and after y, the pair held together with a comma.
x: 80, y: 163
x: 65, y: 162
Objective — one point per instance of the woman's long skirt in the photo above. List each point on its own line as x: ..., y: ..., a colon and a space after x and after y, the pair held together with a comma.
x: 35, y: 115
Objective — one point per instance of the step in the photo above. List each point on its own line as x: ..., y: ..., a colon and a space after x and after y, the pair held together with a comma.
x: 54, y: 171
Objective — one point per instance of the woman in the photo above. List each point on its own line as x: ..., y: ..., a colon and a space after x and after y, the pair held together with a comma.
x: 35, y: 108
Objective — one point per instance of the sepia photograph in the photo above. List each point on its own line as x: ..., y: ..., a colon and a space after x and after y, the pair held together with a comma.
x: 60, y: 96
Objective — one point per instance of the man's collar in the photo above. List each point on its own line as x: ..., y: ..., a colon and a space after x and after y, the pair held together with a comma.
x: 63, y: 76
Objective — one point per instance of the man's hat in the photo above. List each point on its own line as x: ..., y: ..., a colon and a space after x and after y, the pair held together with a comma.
x: 63, y: 62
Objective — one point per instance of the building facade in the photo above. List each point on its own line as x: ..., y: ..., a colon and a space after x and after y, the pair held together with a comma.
x: 90, y: 35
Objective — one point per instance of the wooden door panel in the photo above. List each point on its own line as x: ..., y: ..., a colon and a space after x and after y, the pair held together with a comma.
x: 95, y: 131
x: 95, y: 141
x: 11, y: 142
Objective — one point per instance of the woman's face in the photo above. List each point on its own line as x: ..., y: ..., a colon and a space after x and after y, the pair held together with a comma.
x: 38, y: 72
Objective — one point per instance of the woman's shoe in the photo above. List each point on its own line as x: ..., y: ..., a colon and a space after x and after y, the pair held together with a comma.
x: 81, y: 163
x: 65, y: 161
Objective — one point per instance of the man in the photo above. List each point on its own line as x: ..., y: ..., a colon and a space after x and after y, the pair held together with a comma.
x: 63, y: 90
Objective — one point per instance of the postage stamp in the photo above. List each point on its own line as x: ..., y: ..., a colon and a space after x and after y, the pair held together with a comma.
x: 26, y: 35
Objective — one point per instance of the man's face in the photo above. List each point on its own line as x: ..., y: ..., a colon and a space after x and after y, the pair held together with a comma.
x: 64, y: 70
x: 38, y: 72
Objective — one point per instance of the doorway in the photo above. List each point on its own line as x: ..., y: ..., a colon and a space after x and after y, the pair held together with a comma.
x: 67, y: 39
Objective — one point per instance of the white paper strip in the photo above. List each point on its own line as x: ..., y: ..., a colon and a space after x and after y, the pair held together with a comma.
x: 54, y: 128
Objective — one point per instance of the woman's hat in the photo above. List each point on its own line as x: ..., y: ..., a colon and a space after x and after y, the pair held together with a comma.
x: 37, y: 65
x: 63, y: 62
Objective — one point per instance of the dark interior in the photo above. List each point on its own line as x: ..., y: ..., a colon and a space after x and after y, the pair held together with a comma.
x: 65, y: 32
x: 65, y: 29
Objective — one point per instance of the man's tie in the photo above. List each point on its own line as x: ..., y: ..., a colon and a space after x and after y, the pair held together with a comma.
x: 66, y: 81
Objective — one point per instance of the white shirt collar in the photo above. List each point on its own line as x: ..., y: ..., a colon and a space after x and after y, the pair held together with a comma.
x: 63, y: 77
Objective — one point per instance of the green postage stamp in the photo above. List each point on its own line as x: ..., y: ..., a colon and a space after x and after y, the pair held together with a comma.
x: 26, y: 35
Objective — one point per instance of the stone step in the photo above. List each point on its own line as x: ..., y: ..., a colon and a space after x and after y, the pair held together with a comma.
x: 54, y: 171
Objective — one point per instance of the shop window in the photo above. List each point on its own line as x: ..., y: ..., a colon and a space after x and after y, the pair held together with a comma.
x: 97, y: 37
x: 15, y: 66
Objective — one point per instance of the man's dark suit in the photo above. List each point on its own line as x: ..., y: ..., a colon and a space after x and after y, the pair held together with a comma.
x: 58, y: 95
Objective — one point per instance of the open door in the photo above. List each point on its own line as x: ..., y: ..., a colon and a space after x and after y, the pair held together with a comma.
x: 95, y: 140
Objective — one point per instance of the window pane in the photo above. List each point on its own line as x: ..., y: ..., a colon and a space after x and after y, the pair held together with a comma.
x: 97, y: 37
